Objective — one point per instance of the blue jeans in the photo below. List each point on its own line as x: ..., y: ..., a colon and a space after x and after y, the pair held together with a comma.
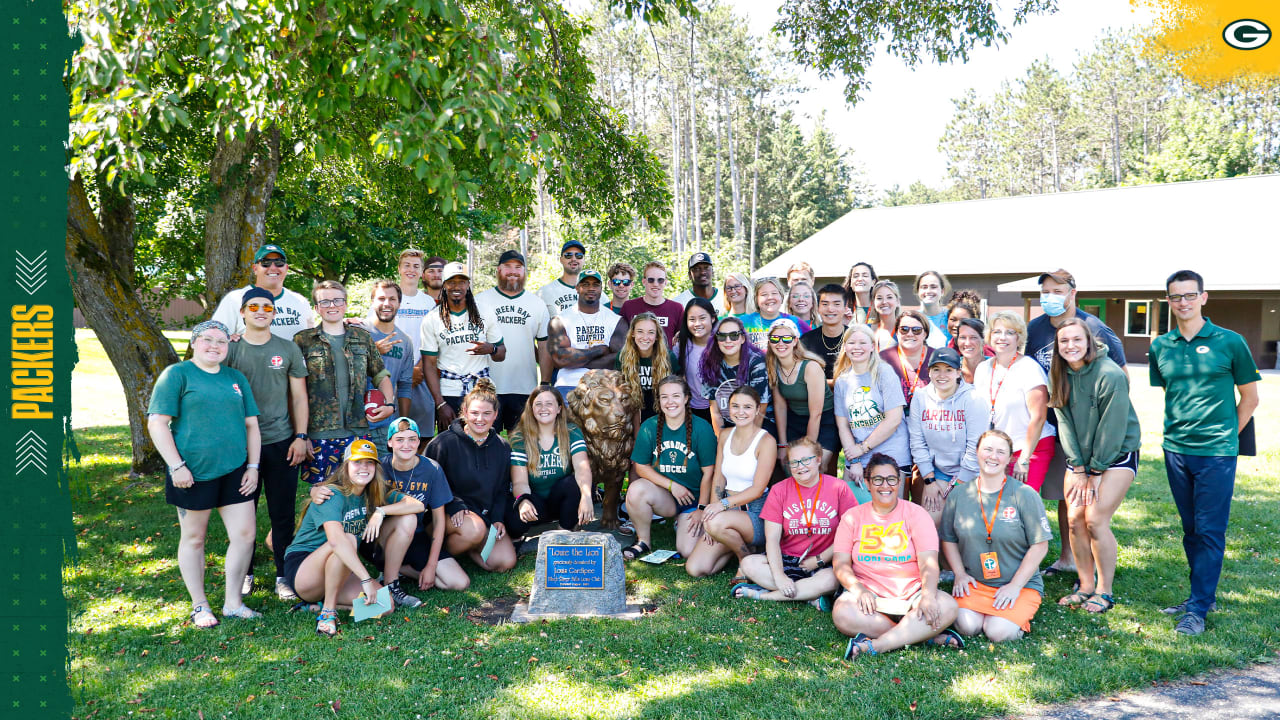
x: 1202, y: 488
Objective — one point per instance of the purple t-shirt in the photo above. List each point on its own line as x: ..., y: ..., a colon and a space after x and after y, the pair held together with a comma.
x: 669, y: 314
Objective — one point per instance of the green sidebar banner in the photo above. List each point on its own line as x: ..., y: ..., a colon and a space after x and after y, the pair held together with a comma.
x: 38, y: 337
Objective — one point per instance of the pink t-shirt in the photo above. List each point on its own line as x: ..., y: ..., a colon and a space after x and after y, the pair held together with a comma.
x: 804, y: 521
x: 886, y: 549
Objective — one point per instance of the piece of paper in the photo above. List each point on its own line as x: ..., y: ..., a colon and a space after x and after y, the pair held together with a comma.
x: 381, y: 605
x: 489, y: 543
x: 657, y: 557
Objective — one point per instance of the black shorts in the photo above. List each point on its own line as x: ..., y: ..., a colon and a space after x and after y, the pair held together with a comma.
x: 1129, y: 461
x: 828, y: 437
x: 791, y: 568
x: 510, y: 408
x: 415, y: 557
x: 209, y: 494
x: 292, y: 562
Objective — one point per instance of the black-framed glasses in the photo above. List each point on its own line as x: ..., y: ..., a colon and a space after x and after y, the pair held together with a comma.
x: 272, y: 262
x: 734, y: 288
x: 890, y: 480
x: 803, y: 462
x: 910, y: 330
x: 1185, y: 297
x: 621, y: 282
x: 656, y: 280
x: 336, y: 302
x: 730, y: 336
x: 573, y: 255
x: 775, y: 339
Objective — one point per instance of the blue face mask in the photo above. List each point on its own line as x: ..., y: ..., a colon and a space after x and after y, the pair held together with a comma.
x: 1053, y: 305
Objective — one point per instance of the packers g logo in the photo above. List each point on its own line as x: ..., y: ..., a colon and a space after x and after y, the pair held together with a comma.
x: 1246, y: 34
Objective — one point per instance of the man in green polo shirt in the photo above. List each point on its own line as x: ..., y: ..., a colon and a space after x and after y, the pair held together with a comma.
x: 1201, y: 366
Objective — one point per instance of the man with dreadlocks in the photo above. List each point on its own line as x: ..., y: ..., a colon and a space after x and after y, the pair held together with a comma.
x: 458, y: 344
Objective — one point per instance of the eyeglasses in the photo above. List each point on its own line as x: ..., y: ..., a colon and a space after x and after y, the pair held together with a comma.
x: 621, y: 282
x: 890, y: 480
x: 217, y: 342
x: 336, y: 302
x: 572, y: 255
x: 1184, y: 297
x: 264, y: 307
x: 803, y: 462
x: 730, y: 336
x: 735, y: 288
x: 656, y: 281
x: 910, y: 330
x: 268, y: 262
x: 775, y: 339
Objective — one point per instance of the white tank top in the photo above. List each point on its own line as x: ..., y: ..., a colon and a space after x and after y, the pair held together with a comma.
x: 740, y: 470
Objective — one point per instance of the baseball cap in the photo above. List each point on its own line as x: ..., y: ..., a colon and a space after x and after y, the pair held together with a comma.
x: 1060, y: 276
x: 573, y: 243
x: 394, y: 427
x: 511, y: 255
x: 453, y: 270
x: 699, y: 257
x: 784, y: 324
x: 945, y: 356
x: 266, y: 250
x: 590, y: 274
x: 360, y: 449
x: 256, y: 293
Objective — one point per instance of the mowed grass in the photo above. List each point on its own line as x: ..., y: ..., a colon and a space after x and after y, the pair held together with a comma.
x: 700, y: 655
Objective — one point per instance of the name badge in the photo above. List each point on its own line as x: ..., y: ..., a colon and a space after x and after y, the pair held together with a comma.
x: 990, y: 565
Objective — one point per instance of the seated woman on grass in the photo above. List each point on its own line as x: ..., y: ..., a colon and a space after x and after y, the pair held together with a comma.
x: 994, y: 528
x: 744, y: 463
x: 800, y: 520
x: 548, y: 482
x: 886, y: 559
x: 323, y: 563
x: 672, y: 462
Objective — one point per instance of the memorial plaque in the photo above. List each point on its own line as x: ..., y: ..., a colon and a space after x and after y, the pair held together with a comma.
x: 575, y: 567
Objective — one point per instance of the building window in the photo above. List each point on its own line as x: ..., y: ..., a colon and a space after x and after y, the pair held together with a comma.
x: 1163, y: 322
x: 1137, y: 318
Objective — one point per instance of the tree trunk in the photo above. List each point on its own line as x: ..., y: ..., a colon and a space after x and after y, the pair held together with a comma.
x: 719, y: 170
x: 693, y: 147
x: 675, y: 170
x: 243, y: 173
x: 104, y: 292
x: 755, y: 188
x: 733, y: 177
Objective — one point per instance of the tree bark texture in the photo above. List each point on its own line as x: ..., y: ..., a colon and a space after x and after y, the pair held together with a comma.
x: 243, y: 173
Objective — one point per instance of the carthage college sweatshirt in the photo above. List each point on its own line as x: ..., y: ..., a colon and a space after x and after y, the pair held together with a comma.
x: 944, y: 433
x: 477, y: 473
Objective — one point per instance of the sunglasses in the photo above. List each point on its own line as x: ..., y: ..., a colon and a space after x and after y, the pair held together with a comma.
x: 803, y: 462
x: 336, y: 302
x: 264, y: 307
x: 656, y: 281
x: 890, y: 480
x: 572, y: 255
x: 910, y: 330
x: 266, y: 263
x: 621, y: 282
x: 730, y: 336
x: 775, y: 339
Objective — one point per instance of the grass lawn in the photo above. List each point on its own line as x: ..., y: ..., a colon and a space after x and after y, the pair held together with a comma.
x: 699, y: 655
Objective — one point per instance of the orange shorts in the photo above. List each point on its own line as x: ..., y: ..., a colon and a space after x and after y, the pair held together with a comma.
x: 981, y: 599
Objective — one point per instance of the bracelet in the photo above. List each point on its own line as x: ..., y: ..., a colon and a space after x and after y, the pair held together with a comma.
x: 441, y: 404
x: 366, y: 580
x: 177, y: 467
x: 724, y: 501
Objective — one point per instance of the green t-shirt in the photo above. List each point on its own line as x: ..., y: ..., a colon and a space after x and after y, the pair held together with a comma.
x: 268, y: 367
x: 1019, y: 523
x: 674, y: 459
x: 552, y: 464
x: 342, y: 387
x: 1199, y: 380
x: 350, y: 510
x: 208, y: 411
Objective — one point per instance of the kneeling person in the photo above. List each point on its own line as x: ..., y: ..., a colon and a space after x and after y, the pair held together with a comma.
x: 546, y: 484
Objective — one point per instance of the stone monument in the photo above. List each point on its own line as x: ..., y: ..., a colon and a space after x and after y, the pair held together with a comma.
x: 577, y: 573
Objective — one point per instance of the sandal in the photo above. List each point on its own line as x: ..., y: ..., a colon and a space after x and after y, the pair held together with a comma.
x: 327, y: 623
x: 1100, y: 603
x: 1056, y: 569
x: 311, y: 607
x: 631, y: 552
x: 197, y: 614
x: 244, y: 612
x: 859, y: 645
x: 1075, y: 599
x: 746, y: 590
x: 626, y: 528
x: 948, y: 638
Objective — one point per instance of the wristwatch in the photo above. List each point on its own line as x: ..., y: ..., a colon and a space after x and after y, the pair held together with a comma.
x: 301, y: 436
x: 930, y: 480
x: 702, y: 506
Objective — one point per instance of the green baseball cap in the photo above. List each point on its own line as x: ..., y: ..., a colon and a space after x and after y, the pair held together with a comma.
x: 590, y: 274
x: 266, y: 250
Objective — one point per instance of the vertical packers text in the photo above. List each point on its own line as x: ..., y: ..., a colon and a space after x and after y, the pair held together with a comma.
x: 31, y: 354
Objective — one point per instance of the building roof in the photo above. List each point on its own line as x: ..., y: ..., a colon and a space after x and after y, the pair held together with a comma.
x: 1128, y: 238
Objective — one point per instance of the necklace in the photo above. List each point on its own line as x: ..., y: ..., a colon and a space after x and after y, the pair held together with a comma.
x: 395, y: 475
x: 788, y: 376
x: 830, y: 348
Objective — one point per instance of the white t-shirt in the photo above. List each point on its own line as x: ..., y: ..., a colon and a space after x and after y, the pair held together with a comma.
x: 585, y: 330
x: 522, y: 319
x: 717, y: 300
x: 450, y: 346
x: 293, y: 313
x: 558, y: 296
x: 1009, y: 388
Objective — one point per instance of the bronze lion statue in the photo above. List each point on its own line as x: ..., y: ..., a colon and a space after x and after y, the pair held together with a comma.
x: 605, y: 408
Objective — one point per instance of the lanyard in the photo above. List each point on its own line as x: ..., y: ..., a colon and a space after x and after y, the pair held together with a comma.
x: 912, y: 378
x: 995, y: 389
x: 808, y: 516
x: 991, y: 522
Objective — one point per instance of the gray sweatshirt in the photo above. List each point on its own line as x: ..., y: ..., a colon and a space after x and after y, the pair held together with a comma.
x: 944, y: 433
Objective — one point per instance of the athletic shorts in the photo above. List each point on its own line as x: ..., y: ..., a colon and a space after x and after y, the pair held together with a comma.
x: 209, y: 494
x: 1129, y: 461
x: 292, y: 562
x: 510, y: 408
x: 415, y: 556
x: 981, y: 599
x: 791, y: 568
x: 1041, y: 456
x: 828, y: 437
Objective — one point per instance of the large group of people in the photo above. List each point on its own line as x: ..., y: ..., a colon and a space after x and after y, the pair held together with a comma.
x: 829, y: 444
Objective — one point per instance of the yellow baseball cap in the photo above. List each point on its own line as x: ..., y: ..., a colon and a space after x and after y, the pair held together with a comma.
x: 361, y: 449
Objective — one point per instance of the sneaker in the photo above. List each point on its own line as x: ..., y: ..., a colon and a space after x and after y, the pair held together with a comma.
x: 946, y: 576
x: 247, y: 587
x: 402, y: 598
x: 284, y: 592
x: 1190, y: 624
x: 1181, y: 608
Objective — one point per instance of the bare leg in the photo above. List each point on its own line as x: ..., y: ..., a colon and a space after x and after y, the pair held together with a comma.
x: 395, y: 536
x: 998, y: 629
x: 1080, y: 549
x: 194, y: 525
x: 909, y: 630
x: 471, y: 536
x: 501, y: 559
x: 969, y: 622
x: 1064, y: 532
x: 644, y: 500
x: 241, y: 523
x: 757, y: 569
x: 1111, y: 491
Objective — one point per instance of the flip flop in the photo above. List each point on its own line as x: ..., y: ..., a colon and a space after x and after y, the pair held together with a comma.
x: 200, y: 611
x: 947, y: 639
x: 745, y: 590
x: 632, y: 552
x: 859, y: 645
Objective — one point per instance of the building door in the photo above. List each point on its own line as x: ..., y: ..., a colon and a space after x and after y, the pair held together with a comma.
x: 1097, y: 308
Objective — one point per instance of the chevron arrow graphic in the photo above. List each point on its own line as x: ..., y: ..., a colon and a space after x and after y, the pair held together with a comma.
x: 31, y: 452
x: 31, y: 273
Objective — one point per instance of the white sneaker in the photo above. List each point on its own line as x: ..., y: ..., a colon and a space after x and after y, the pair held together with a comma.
x: 402, y: 598
x: 284, y: 592
x: 247, y: 587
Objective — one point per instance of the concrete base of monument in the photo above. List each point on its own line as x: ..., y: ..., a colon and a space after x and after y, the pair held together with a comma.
x: 634, y: 611
x: 577, y: 574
